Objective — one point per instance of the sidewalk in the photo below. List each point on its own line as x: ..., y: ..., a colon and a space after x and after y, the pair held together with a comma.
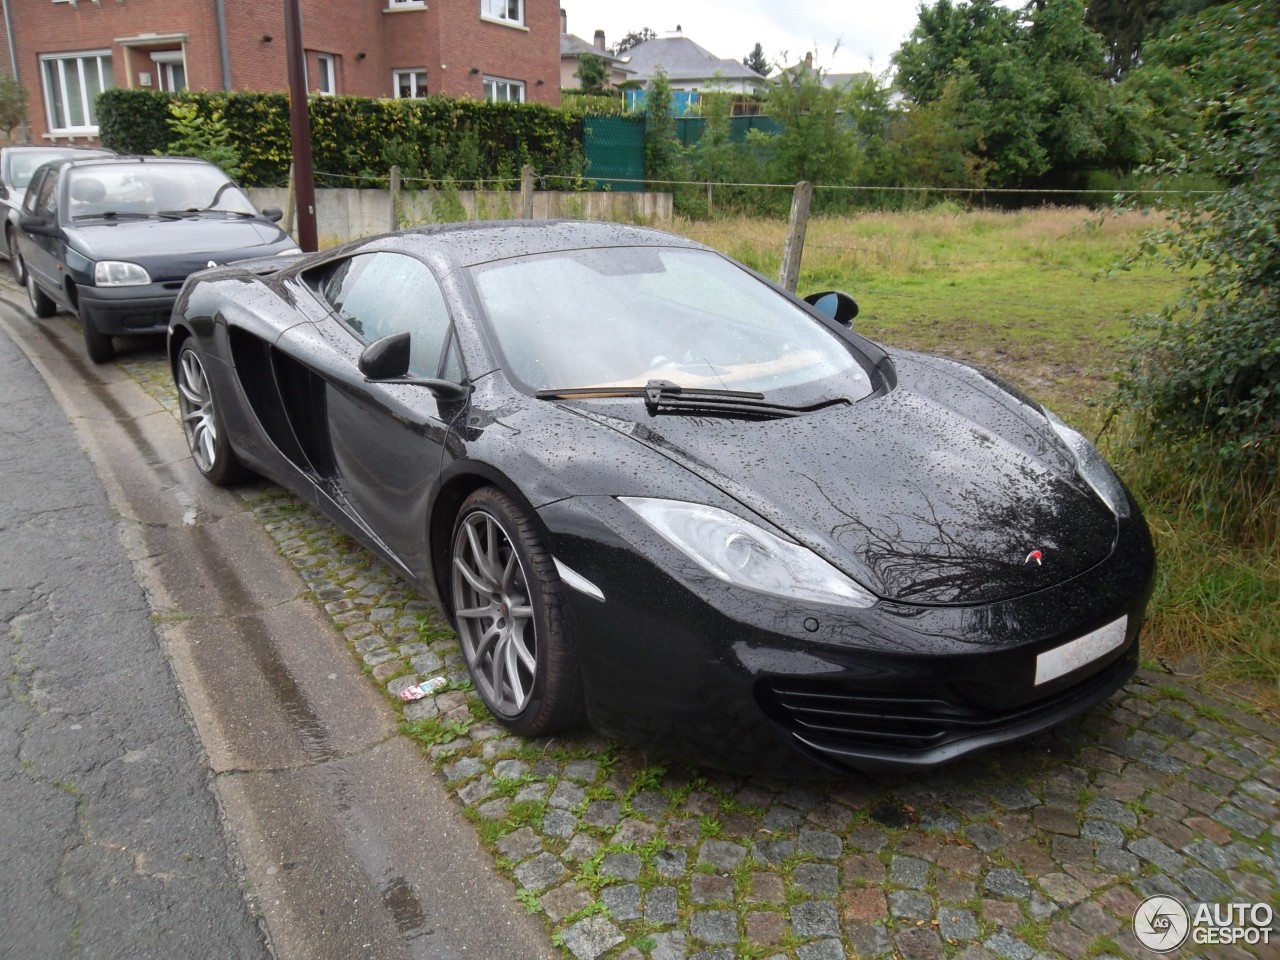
x: 111, y: 843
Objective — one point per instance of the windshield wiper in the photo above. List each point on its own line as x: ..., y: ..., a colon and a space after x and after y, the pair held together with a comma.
x: 663, y: 396
x: 122, y: 215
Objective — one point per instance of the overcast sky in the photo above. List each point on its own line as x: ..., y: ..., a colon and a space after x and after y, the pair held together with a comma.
x: 867, y: 31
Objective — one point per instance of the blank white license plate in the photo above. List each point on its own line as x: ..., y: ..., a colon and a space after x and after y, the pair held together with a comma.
x: 1070, y: 656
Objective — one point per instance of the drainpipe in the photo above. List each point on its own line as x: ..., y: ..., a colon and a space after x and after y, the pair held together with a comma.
x: 13, y: 62
x: 221, y: 7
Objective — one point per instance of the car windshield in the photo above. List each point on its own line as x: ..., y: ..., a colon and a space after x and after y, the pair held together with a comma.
x: 152, y: 188
x: 622, y: 316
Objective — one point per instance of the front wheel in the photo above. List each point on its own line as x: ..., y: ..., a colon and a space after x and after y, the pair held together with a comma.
x: 41, y: 304
x: 202, y: 422
x: 16, y: 263
x: 508, y: 606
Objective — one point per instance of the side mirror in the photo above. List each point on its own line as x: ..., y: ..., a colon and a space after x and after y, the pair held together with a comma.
x: 274, y: 214
x: 39, y: 226
x: 840, y: 307
x: 386, y: 360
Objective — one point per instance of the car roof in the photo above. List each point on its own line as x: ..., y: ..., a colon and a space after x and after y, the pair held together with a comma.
x: 79, y: 162
x: 484, y: 241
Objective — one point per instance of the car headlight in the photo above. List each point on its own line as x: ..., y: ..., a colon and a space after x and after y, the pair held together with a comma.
x: 119, y: 273
x: 741, y: 553
x: 1094, y: 469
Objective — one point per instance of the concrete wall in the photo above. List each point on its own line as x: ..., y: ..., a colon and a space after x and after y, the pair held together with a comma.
x: 344, y: 214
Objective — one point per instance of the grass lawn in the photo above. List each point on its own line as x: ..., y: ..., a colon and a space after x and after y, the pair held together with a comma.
x: 1033, y: 296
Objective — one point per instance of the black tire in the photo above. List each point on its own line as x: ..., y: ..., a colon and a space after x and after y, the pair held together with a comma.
x: 202, y: 422
x: 98, y: 345
x: 41, y: 304
x: 16, y: 263
x: 524, y: 666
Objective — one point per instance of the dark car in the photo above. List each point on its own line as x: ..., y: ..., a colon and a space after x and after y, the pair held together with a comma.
x: 653, y: 489
x: 17, y: 163
x: 113, y: 240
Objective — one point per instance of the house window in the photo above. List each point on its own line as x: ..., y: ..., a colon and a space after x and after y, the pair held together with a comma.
x: 327, y: 82
x: 498, y: 90
x: 508, y: 11
x: 409, y: 84
x: 72, y: 82
x: 171, y: 72
x: 405, y: 4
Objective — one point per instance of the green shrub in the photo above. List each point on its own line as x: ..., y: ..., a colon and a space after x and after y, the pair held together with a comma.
x: 352, y: 138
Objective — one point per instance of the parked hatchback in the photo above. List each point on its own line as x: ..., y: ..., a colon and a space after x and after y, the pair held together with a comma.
x: 112, y: 240
x: 17, y: 164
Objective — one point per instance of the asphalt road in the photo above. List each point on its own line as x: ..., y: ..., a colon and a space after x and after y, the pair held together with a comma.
x: 298, y: 809
x: 111, y: 843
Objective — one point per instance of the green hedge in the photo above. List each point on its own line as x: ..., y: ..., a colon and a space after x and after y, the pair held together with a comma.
x: 354, y: 139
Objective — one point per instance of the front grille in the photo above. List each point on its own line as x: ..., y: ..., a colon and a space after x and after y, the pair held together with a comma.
x: 842, y: 716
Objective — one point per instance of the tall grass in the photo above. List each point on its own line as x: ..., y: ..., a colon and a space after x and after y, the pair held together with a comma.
x: 1033, y: 295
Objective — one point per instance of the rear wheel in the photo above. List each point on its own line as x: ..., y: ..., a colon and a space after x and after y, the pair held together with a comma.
x: 98, y: 345
x: 41, y: 305
x: 202, y: 422
x: 508, y: 606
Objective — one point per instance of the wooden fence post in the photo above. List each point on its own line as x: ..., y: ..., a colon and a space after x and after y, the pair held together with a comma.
x: 526, y: 192
x: 711, y: 208
x: 395, y: 196
x: 793, y: 248
x: 290, y: 203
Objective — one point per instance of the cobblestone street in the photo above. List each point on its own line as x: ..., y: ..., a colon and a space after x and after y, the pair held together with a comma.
x: 1042, y: 850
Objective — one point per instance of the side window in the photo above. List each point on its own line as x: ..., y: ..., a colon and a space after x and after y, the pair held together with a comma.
x: 37, y: 201
x: 378, y: 294
x: 47, y: 198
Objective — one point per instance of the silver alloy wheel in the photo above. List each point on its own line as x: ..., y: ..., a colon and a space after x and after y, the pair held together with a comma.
x: 195, y: 401
x: 494, y: 614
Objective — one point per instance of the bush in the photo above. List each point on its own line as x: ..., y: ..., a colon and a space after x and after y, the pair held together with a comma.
x: 352, y: 137
x: 1205, y: 380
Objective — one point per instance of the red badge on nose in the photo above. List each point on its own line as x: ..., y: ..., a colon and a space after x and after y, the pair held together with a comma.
x: 1035, y: 555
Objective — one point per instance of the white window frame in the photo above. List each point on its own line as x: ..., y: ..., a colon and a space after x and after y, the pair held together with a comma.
x: 328, y: 64
x: 165, y: 61
x: 501, y: 11
x: 405, y: 5
x: 79, y: 60
x: 516, y: 86
x: 412, y: 74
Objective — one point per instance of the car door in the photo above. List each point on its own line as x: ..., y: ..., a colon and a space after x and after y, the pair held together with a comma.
x: 387, y: 440
x: 42, y: 253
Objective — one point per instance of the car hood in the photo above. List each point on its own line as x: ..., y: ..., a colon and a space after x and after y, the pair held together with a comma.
x: 940, y: 494
x: 171, y: 249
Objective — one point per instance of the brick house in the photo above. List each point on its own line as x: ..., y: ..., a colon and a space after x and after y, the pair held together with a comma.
x: 66, y: 51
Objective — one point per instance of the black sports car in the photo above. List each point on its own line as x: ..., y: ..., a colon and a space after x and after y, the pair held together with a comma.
x: 112, y: 240
x: 653, y: 489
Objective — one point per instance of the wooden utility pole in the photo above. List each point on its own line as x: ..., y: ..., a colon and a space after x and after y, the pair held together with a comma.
x: 300, y: 127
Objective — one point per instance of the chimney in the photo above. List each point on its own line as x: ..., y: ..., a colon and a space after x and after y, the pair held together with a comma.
x: 599, y: 39
x: 808, y: 61
x: 564, y: 21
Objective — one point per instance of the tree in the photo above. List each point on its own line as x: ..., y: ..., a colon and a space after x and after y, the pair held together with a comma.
x: 815, y: 142
x: 13, y: 105
x: 203, y: 136
x: 756, y: 61
x: 1205, y: 381
x: 591, y: 74
x: 1035, y: 82
x: 661, y: 149
x: 1126, y: 25
x: 632, y: 39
